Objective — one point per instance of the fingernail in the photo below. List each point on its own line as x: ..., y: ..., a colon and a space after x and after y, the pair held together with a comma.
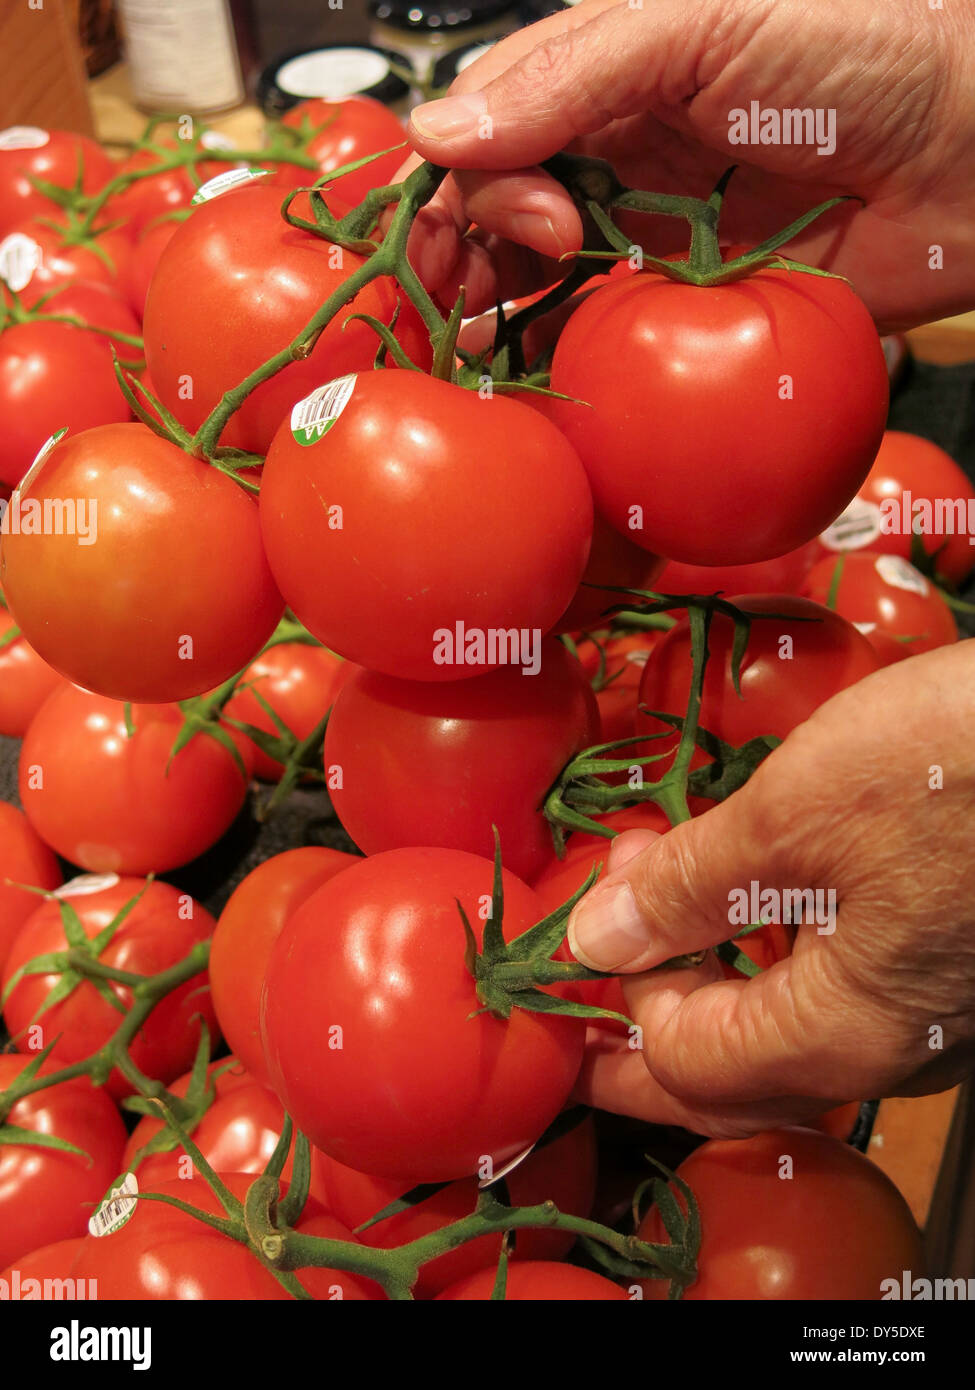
x: 538, y: 232
x: 606, y: 929
x: 449, y: 117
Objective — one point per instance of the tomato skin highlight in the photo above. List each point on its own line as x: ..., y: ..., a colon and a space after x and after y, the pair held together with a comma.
x: 159, y: 931
x: 164, y: 1253
x: 178, y: 557
x: 24, y: 858
x: 417, y: 1089
x: 885, y: 593
x: 115, y: 804
x: 765, y: 1237
x: 538, y: 1281
x: 438, y: 491
x: 697, y: 409
x: 46, y: 1195
x: 247, y: 929
x: 482, y: 752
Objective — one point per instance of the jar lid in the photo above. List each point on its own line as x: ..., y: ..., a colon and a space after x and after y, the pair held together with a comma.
x: 434, y: 15
x: 332, y: 71
x: 447, y: 67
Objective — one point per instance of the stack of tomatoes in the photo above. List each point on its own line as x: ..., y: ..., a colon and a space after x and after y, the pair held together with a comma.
x: 439, y: 566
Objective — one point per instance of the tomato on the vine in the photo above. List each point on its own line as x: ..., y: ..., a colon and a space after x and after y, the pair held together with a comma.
x: 101, y: 306
x: 153, y: 195
x: 119, y: 802
x: 764, y: 1234
x: 25, y: 680
x: 424, y: 762
x: 344, y: 132
x: 158, y: 931
x: 764, y: 400
x: 374, y: 1036
x: 61, y: 254
x: 24, y: 859
x: 55, y: 156
x: 884, y: 593
x: 783, y: 575
x: 544, y: 1281
x: 426, y: 497
x: 246, y: 931
x: 175, y: 597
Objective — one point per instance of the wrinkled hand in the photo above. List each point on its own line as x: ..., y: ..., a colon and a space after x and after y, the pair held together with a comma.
x: 650, y: 89
x: 847, y: 803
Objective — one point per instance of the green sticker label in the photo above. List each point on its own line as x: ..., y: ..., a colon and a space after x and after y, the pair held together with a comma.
x: 312, y: 418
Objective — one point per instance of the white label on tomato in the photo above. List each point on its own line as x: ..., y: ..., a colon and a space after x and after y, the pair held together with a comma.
x: 473, y: 54
x: 39, y: 462
x: 23, y: 137
x: 231, y: 178
x: 20, y: 256
x: 316, y: 414
x: 865, y: 628
x: 332, y: 73
x: 216, y: 140
x: 84, y: 884
x: 901, y: 574
x: 503, y: 1172
x: 117, y: 1208
x: 854, y: 528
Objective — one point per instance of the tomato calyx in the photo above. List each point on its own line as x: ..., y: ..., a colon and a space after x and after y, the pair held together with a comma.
x: 676, y: 1259
x: 188, y: 1109
x: 13, y: 311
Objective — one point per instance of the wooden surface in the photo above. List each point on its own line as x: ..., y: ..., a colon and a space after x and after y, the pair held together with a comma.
x: 43, y: 77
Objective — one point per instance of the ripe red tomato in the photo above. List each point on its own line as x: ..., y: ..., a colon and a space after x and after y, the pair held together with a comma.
x: 49, y: 1263
x: 236, y: 263
x: 159, y: 931
x: 348, y: 130
x: 143, y: 262
x: 61, y: 256
x: 783, y: 575
x: 373, y: 1033
x: 765, y: 1233
x: 25, y: 681
x: 52, y: 376
x: 912, y: 483
x: 764, y: 400
x: 613, y: 561
x: 792, y: 665
x: 563, y: 1172
x: 175, y: 597
x: 538, y: 1281
x: 115, y: 804
x: 237, y: 1134
x: 247, y: 929
x: 885, y: 593
x: 24, y: 858
x: 455, y: 759
x: 100, y: 306
x: 163, y: 1253
x: 299, y: 682
x: 148, y: 198
x: 56, y: 156
x: 46, y: 1194
x: 428, y: 495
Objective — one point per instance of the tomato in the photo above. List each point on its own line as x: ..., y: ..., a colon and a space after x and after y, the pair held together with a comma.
x: 150, y: 197
x: 55, y: 156
x: 247, y: 929
x: 24, y: 858
x: 374, y: 1037
x: 429, y: 496
x: 783, y: 575
x: 46, y: 1194
x: 299, y: 682
x: 763, y: 400
x: 159, y: 930
x: 175, y: 597
x: 237, y: 1134
x: 61, y: 256
x: 563, y: 1172
x: 616, y: 562
x: 144, y: 260
x: 113, y: 803
x: 833, y: 1228
x: 52, y: 376
x: 538, y: 1281
x: 626, y: 655
x: 454, y: 759
x: 912, y: 483
x: 50, y: 1265
x: 235, y: 263
x: 100, y: 306
x: 885, y: 592
x: 347, y: 130
x: 25, y: 680
x: 826, y: 654
x: 164, y: 1253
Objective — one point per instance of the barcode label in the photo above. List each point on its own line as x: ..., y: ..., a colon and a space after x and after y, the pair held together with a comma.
x: 231, y: 178
x: 901, y: 574
x: 23, y: 137
x: 84, y: 884
x: 317, y: 413
x: 856, y: 527
x: 20, y: 256
x: 116, y: 1208
x: 39, y: 462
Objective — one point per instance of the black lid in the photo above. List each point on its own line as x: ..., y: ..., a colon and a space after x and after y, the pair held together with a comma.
x: 275, y: 93
x: 434, y: 15
x: 446, y: 68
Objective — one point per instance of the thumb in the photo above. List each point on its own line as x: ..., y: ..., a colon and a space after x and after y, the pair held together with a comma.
x: 575, y: 81
x: 673, y: 897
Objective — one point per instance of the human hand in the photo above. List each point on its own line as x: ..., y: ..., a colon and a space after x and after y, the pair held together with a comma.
x: 845, y: 803
x: 650, y: 89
